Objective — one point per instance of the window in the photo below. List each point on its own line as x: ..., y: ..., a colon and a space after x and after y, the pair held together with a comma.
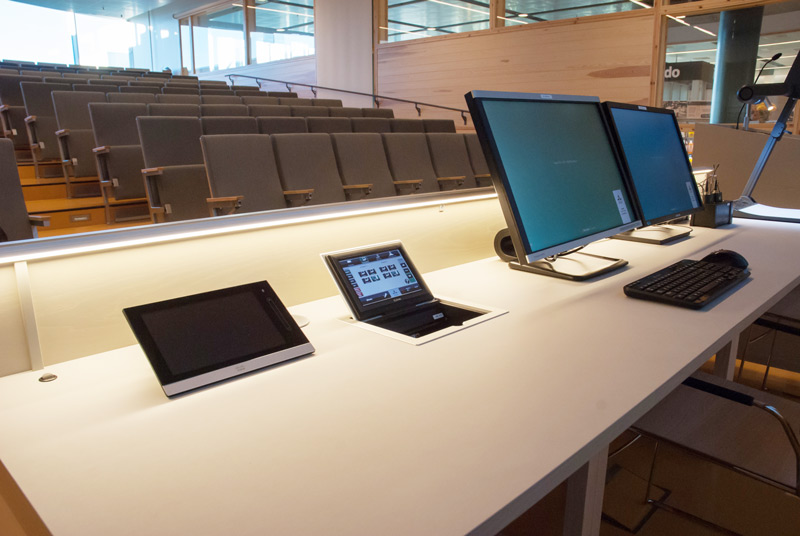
x: 105, y: 41
x: 49, y: 39
x: 280, y: 30
x: 187, y: 57
x: 218, y: 39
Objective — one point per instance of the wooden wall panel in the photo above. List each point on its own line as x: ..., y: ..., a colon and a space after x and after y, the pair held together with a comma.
x: 605, y: 56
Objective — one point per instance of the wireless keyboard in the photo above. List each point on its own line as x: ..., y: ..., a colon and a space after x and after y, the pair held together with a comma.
x: 687, y: 283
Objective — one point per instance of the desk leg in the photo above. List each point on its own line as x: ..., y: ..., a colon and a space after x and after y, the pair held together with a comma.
x: 725, y: 362
x: 585, y: 497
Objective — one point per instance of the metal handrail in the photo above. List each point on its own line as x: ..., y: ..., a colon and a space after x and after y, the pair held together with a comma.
x: 375, y: 97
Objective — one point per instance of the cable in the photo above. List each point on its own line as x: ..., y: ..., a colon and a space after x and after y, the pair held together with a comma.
x: 773, y: 58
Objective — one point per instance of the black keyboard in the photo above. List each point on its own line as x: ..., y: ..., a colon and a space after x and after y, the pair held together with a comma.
x: 687, y: 283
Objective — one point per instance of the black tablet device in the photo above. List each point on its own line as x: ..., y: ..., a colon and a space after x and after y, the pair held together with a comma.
x: 201, y: 339
x: 377, y: 280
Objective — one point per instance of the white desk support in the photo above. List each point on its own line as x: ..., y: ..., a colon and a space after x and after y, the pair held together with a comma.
x: 374, y: 436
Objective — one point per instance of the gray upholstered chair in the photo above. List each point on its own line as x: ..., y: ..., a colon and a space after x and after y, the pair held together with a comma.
x: 223, y: 109
x: 165, y: 109
x: 387, y: 113
x: 229, y: 125
x: 330, y: 103
x: 282, y: 94
x: 329, y: 125
x: 450, y: 160
x: 12, y: 109
x: 146, y: 83
x: 140, y: 89
x: 220, y: 99
x: 361, y: 159
x: 407, y: 125
x: 178, y: 99
x: 261, y: 99
x: 41, y: 124
x: 410, y: 162
x: 294, y: 101
x: 343, y: 111
x: 216, y: 92
x: 95, y: 87
x: 249, y: 93
x: 243, y: 165
x: 105, y: 82
x: 480, y: 169
x: 142, y: 98
x: 269, y: 110
x: 282, y: 125
x: 306, y: 163
x: 179, y: 90
x: 15, y: 223
x: 439, y: 125
x: 309, y: 111
x: 74, y: 134
x: 371, y: 124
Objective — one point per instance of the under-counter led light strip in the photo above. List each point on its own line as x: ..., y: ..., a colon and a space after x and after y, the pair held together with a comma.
x: 183, y: 235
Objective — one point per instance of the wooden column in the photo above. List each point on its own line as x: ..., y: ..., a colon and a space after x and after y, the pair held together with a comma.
x: 497, y: 8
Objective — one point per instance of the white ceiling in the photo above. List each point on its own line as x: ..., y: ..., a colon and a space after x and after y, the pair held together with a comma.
x: 112, y: 8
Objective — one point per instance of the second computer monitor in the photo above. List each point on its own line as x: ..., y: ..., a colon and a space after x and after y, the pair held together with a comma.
x: 653, y: 151
x: 558, y: 177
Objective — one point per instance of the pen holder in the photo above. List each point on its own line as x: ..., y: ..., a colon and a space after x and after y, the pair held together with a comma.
x: 715, y: 213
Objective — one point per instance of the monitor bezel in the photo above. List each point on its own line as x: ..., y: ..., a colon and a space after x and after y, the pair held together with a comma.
x: 500, y: 180
x: 608, y: 106
x: 294, y: 344
x: 365, y: 312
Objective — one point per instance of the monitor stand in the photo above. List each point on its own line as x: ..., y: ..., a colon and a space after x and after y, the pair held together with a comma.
x: 655, y: 234
x: 577, y: 266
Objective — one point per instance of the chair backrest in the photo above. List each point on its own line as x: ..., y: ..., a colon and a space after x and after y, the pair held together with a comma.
x: 344, y: 111
x: 185, y: 110
x: 450, y: 158
x: 10, y: 91
x: 220, y: 99
x: 307, y: 161
x: 213, y: 84
x: 37, y: 74
x: 4, y: 70
x: 294, y: 101
x: 223, y: 109
x: 105, y: 82
x: 476, y: 156
x: 331, y: 103
x: 81, y: 76
x: 13, y: 214
x: 170, y: 141
x: 269, y: 110
x: 178, y: 99
x: 250, y: 93
x: 361, y: 159
x: 407, y: 125
x: 146, y: 83
x: 95, y: 87
x: 329, y: 124
x: 38, y: 98
x: 252, y: 99
x: 72, y: 108
x: 179, y: 90
x: 122, y: 80
x: 139, y: 89
x: 309, y: 111
x: 131, y: 97
x: 191, y: 84
x: 410, y: 159
x: 439, y: 125
x: 371, y: 124
x: 115, y: 123
x: 217, y: 92
x: 288, y: 94
x: 229, y: 125
x: 387, y: 113
x: 282, y: 125
x: 243, y: 164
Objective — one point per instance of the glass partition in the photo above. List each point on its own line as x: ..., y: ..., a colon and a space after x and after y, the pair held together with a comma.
x: 218, y: 38
x: 428, y: 18
x: 105, y: 40
x: 280, y: 30
x: 528, y: 11
x: 187, y: 55
x: 48, y: 37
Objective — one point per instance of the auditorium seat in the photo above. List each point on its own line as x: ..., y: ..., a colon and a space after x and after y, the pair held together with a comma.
x: 480, y: 168
x: 269, y: 110
x: 370, y: 124
x: 387, y: 113
x: 12, y: 109
x: 95, y: 87
x: 5, y: 70
x: 81, y: 76
x: 306, y: 162
x: 188, y: 77
x: 38, y: 74
x: 213, y: 84
x: 105, y: 82
x: 218, y: 92
x: 244, y: 165
x: 41, y: 121
x: 131, y: 97
x: 146, y: 83
x: 219, y: 99
x: 282, y: 94
x: 330, y: 103
x: 179, y: 90
x: 15, y: 223
x: 344, y: 111
x: 410, y: 161
x: 175, y: 110
x: 139, y: 89
x: 309, y: 111
x: 192, y: 84
x: 123, y: 80
x: 450, y: 160
x: 439, y: 125
x: 407, y: 125
x: 252, y: 99
x: 223, y: 109
x: 175, y: 176
x: 250, y: 93
x: 74, y: 134
x: 118, y: 151
x: 178, y: 99
x: 329, y: 125
x: 361, y: 159
x: 294, y: 101
x: 229, y: 125
x: 282, y: 125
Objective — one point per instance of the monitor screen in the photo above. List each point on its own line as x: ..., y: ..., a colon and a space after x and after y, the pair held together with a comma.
x: 652, y: 148
x: 556, y: 170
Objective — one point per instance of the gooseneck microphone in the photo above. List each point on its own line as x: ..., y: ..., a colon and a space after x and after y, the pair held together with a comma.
x: 757, y: 92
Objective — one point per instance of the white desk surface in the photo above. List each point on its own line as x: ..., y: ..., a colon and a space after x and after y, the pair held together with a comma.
x: 372, y: 435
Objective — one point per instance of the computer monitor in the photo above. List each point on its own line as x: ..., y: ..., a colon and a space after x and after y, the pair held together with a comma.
x: 650, y: 143
x: 558, y: 178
